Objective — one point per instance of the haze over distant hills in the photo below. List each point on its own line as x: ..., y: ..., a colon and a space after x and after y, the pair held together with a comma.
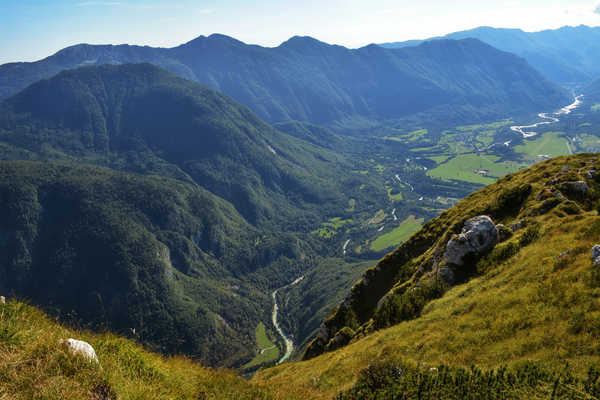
x: 565, y: 55
x: 307, y: 80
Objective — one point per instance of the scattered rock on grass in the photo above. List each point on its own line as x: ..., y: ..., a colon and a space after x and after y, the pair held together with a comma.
x: 596, y: 254
x: 81, y: 348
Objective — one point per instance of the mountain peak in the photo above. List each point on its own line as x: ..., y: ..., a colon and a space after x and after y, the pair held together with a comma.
x: 215, y: 38
x: 303, y: 42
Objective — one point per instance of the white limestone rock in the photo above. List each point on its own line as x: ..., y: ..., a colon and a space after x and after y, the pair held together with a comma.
x: 478, y: 236
x: 80, y: 348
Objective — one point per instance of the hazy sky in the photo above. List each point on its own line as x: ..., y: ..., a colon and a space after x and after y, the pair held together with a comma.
x: 33, y: 29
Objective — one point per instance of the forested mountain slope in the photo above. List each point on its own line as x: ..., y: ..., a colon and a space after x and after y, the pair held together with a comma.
x: 161, y: 258
x: 140, y: 118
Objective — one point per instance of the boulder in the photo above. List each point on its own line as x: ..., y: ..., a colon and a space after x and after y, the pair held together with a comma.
x: 80, y: 348
x: 2, y: 300
x: 596, y: 254
x: 564, y: 254
x: 478, y: 236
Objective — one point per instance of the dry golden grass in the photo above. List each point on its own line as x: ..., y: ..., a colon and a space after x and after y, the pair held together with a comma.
x: 34, y: 366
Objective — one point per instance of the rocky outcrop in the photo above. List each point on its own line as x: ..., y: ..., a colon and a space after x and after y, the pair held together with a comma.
x: 341, y: 339
x: 478, y: 236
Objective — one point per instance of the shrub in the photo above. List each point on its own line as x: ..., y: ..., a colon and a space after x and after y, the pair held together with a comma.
x: 392, y: 379
x: 510, y: 200
x: 409, y: 304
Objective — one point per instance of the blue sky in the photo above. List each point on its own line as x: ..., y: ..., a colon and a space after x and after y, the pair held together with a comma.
x: 33, y: 29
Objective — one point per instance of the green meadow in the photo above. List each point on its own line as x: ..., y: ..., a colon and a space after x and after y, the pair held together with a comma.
x: 550, y: 144
x: 391, y: 239
x: 462, y: 167
x: 268, y: 351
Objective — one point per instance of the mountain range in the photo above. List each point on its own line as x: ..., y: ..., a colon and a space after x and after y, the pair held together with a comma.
x: 565, y: 55
x: 307, y: 80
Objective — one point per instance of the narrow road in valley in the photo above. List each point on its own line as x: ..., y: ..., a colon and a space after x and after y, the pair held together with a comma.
x: 345, y: 246
x: 412, y: 189
x: 525, y: 130
x: 289, y: 343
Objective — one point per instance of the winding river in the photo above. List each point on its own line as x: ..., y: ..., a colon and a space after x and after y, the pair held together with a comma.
x: 548, y: 118
x: 289, y: 344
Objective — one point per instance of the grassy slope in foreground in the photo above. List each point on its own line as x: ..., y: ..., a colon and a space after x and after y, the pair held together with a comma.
x: 539, y: 304
x: 34, y: 366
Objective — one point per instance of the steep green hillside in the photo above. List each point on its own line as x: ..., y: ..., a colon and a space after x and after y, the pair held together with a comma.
x: 143, y: 119
x: 151, y: 255
x: 568, y: 54
x: 535, y: 296
x: 307, y: 80
x: 33, y: 365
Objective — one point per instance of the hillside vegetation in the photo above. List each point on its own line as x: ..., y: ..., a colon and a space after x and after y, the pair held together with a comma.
x: 34, y: 366
x: 534, y: 297
x: 142, y: 119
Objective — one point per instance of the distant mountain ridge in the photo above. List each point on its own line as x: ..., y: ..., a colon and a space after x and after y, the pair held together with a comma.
x: 566, y: 55
x: 307, y: 80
